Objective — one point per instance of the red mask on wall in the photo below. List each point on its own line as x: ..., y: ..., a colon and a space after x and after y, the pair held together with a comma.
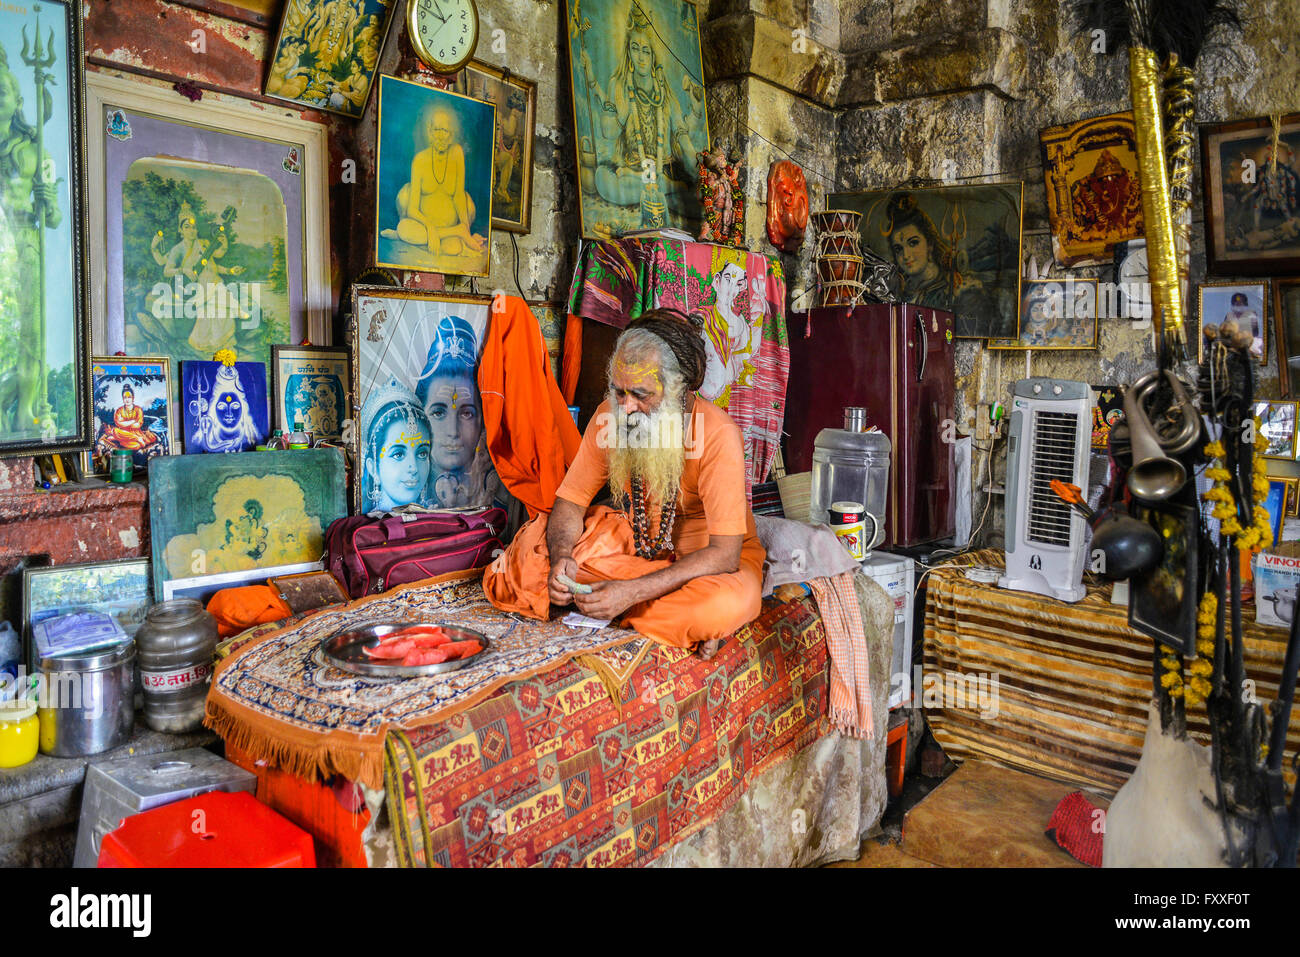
x: 787, y: 206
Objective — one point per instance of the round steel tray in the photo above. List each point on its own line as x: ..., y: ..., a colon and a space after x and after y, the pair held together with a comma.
x: 344, y: 650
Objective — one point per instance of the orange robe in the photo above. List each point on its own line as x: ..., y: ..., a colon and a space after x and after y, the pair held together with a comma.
x: 711, y: 502
x: 128, y: 430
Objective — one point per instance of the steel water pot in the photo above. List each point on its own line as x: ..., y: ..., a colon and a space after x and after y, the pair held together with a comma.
x: 176, y: 645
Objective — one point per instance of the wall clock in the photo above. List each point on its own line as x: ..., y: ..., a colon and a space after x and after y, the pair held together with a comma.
x: 443, y: 33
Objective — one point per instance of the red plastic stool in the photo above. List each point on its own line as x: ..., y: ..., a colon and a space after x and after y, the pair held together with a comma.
x: 208, y: 830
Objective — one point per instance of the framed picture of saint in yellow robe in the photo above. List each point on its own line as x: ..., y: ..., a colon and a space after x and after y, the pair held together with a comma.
x: 434, y: 193
x: 132, y: 409
x: 326, y: 53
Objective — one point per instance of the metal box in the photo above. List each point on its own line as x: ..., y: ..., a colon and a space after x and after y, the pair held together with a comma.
x: 117, y: 789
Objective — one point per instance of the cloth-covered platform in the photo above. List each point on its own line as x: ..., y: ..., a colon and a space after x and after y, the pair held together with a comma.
x: 278, y: 699
x: 607, y: 750
x: 1073, y: 680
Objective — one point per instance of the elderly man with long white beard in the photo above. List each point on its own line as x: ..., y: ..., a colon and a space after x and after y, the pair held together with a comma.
x: 677, y: 557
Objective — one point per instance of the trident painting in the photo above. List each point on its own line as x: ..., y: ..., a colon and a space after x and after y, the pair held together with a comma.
x: 44, y: 387
x: 638, y: 103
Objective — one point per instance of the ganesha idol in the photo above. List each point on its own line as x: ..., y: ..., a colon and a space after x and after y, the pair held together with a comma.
x: 787, y: 206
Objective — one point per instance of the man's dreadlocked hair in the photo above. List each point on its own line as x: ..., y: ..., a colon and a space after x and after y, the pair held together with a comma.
x: 682, y: 334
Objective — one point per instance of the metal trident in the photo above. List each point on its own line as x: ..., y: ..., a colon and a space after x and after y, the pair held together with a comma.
x: 40, y: 62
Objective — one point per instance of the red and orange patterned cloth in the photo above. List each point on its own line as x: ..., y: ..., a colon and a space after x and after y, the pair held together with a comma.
x: 550, y: 770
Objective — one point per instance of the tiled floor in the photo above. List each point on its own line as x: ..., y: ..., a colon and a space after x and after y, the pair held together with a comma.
x: 980, y: 816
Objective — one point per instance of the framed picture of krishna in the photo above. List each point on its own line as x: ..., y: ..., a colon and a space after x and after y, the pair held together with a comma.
x: 420, y: 437
x: 638, y: 105
x: 958, y: 248
x: 209, y: 223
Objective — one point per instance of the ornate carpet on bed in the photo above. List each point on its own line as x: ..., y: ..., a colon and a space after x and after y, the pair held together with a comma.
x: 277, y: 698
x: 552, y: 771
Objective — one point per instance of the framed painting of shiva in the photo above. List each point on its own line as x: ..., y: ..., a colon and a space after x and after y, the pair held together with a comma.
x: 639, y: 116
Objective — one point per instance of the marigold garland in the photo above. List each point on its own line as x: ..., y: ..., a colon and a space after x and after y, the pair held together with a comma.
x: 1259, y: 534
x: 225, y: 356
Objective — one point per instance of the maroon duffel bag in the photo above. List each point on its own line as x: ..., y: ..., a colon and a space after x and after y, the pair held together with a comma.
x: 371, y: 555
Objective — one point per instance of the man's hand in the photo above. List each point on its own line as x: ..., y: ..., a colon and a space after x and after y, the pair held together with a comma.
x: 608, y: 600
x: 560, y: 594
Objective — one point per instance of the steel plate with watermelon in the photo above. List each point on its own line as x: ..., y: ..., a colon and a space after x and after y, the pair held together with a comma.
x: 404, y: 649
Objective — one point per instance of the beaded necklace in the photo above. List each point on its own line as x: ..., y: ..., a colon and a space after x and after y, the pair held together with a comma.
x: 646, y: 548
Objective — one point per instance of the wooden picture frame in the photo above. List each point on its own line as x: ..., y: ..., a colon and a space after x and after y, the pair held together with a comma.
x: 1286, y: 332
x: 45, y: 330
x: 307, y: 591
x: 409, y: 115
x: 1055, y: 314
x: 1235, y: 176
x: 1291, y: 497
x: 212, y: 156
x: 904, y: 225
x: 1216, y: 300
x: 339, y: 82
x: 257, y: 12
x: 414, y: 365
x: 485, y: 82
x: 1280, y: 426
x: 321, y: 368
x: 142, y: 374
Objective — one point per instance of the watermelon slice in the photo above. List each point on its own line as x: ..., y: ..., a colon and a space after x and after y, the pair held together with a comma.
x: 389, y: 650
x: 425, y: 656
x: 462, y: 649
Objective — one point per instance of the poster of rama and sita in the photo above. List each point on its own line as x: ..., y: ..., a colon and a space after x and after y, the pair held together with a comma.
x: 42, y: 319
x: 638, y: 103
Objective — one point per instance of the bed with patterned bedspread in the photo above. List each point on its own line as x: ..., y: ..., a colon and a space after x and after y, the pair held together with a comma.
x: 594, y: 749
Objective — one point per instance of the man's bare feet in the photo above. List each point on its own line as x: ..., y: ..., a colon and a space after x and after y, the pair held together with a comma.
x: 707, y: 649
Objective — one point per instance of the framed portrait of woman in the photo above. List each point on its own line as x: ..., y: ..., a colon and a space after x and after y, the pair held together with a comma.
x: 44, y: 333
x: 515, y: 100
x: 209, y: 224
x: 957, y: 247
x: 132, y: 406
x: 420, y: 437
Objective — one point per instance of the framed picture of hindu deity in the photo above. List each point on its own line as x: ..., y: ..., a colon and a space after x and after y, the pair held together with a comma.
x: 224, y: 406
x: 213, y: 514
x: 310, y: 387
x: 635, y: 67
x: 957, y: 247
x: 420, y: 436
x: 1243, y: 303
x: 44, y: 332
x: 326, y: 53
x: 1286, y: 332
x: 1093, y: 193
x: 515, y: 100
x: 1252, y: 197
x: 434, y: 192
x: 1055, y: 314
x: 209, y: 223
x: 1278, y: 423
x: 132, y: 407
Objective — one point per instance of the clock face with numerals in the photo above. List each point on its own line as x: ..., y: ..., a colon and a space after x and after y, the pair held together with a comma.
x: 444, y: 33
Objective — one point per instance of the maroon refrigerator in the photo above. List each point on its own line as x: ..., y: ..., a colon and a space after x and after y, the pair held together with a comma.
x: 897, y: 361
